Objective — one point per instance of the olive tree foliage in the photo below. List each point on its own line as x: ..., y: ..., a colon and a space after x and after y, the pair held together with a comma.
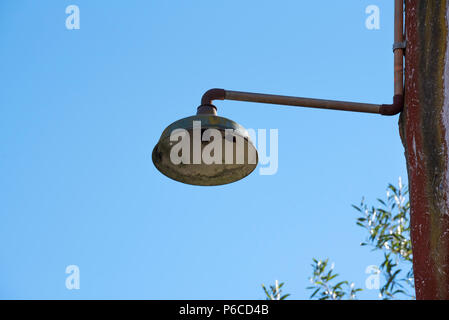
x: 275, y: 292
x: 388, y: 227
x: 325, y: 284
x: 387, y: 224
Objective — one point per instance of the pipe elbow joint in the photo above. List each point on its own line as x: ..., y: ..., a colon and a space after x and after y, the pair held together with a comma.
x: 212, y: 94
x: 393, y: 109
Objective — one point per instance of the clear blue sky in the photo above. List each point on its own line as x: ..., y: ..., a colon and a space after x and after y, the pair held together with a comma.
x: 81, y: 110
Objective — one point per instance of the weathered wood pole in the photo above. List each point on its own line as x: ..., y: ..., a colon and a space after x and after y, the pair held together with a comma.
x: 424, y: 128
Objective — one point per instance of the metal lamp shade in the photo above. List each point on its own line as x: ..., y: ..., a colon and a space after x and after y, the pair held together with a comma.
x: 229, y: 167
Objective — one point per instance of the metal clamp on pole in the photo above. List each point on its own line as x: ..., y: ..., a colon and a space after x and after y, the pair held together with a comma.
x: 399, y: 45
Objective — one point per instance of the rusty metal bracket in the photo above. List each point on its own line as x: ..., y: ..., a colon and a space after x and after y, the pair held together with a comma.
x: 396, y: 107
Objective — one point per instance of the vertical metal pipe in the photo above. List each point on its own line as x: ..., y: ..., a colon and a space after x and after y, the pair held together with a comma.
x: 398, y: 49
x: 398, y: 52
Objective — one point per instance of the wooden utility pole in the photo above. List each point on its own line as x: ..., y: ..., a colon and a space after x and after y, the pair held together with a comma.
x: 424, y: 128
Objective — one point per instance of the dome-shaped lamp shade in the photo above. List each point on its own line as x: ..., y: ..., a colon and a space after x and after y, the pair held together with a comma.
x: 205, y: 150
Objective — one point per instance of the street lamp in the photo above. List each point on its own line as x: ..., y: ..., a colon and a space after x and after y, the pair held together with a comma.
x: 201, y: 173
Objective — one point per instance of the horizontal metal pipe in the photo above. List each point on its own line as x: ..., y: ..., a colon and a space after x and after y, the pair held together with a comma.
x: 302, y: 102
